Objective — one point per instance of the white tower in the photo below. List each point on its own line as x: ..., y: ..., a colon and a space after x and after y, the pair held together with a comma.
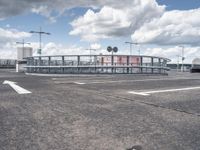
x: 22, y: 54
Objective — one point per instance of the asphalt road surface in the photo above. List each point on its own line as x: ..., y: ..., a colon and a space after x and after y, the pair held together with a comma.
x: 99, y: 112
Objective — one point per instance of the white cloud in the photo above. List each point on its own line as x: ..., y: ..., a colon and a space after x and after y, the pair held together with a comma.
x: 115, y: 22
x: 173, y: 52
x: 44, y: 10
x: 173, y: 28
x: 95, y: 46
x: 93, y: 26
x: 52, y: 48
x: 51, y: 7
x: 8, y: 50
x: 8, y: 38
x: 12, y: 35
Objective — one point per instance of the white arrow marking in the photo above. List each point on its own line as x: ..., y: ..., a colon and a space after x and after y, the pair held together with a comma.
x: 163, y: 91
x: 17, y: 88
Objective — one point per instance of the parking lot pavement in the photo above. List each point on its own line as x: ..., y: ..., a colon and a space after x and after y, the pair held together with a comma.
x: 100, y: 113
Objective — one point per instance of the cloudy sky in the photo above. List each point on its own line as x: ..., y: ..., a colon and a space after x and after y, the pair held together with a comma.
x: 159, y: 26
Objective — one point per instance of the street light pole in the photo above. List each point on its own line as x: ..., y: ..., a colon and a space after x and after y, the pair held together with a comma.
x: 40, y: 34
x: 22, y: 43
x: 40, y: 38
x: 139, y: 49
x: 183, y: 58
x: 178, y: 56
x: 131, y: 43
x: 91, y: 49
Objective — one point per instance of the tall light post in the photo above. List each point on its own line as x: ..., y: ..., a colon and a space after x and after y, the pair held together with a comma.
x: 131, y: 43
x: 139, y: 49
x: 22, y: 43
x: 91, y: 49
x: 178, y: 56
x: 40, y: 38
x: 183, y: 58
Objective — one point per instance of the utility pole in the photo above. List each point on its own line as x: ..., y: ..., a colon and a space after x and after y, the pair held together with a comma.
x: 40, y: 38
x: 183, y: 58
x: 131, y: 43
x: 22, y: 43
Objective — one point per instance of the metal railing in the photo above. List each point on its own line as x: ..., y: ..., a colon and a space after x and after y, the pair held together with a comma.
x: 102, y: 64
x: 7, y: 63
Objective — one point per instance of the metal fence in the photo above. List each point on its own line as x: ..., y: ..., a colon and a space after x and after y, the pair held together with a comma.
x: 102, y: 64
x: 7, y: 63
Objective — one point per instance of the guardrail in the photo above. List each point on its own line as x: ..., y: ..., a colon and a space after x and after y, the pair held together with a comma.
x: 7, y: 63
x: 97, y: 64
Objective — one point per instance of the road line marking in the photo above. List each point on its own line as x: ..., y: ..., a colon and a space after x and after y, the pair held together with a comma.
x: 17, y: 88
x: 80, y: 83
x: 121, y: 81
x: 84, y: 81
x: 163, y: 91
x: 138, y: 93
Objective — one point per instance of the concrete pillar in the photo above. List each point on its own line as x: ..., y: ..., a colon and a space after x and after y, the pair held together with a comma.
x: 78, y: 63
x: 159, y: 62
x: 63, y: 63
x: 49, y: 63
x: 141, y: 64
x: 21, y: 66
x: 95, y: 63
x: 40, y: 64
x: 127, y: 63
x: 112, y: 62
x: 152, y: 65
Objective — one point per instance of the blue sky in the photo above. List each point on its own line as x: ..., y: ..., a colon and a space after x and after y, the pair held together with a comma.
x: 76, y: 26
x: 180, y: 4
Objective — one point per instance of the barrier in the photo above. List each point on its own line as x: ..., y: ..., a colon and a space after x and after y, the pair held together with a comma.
x: 97, y: 64
x: 7, y: 63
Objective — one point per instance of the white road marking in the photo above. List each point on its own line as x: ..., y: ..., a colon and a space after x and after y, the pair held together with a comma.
x: 80, y: 83
x: 17, y: 88
x: 163, y: 91
x: 138, y: 93
x: 142, y: 80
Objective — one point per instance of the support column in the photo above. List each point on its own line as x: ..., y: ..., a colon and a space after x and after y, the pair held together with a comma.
x: 95, y: 64
x: 152, y: 65
x: 40, y: 64
x: 112, y: 62
x: 127, y: 63
x: 49, y: 63
x: 159, y: 62
x: 141, y: 64
x: 63, y: 63
x: 78, y: 63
